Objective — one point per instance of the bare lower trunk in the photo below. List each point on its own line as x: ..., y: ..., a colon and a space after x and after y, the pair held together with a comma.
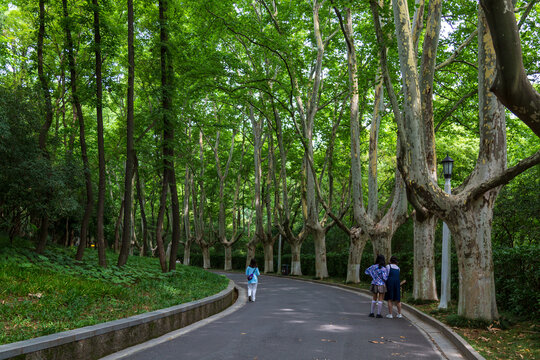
x: 43, y: 234
x: 228, y: 258
x: 424, y: 285
x: 472, y: 234
x: 206, y: 256
x: 187, y: 252
x: 296, y: 268
x: 117, y: 227
x: 358, y: 242
x: 382, y: 245
x: 250, y: 252
x: 269, y: 257
x: 319, y: 238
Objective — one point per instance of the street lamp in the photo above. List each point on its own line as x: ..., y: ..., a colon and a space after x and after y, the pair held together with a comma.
x: 448, y: 164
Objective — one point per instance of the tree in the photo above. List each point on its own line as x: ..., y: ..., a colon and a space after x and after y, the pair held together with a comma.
x: 44, y: 226
x: 82, y: 135
x: 468, y: 211
x: 371, y: 224
x: 130, y: 151
x: 101, y: 142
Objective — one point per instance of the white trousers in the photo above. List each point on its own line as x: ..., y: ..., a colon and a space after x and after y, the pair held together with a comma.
x: 252, y: 290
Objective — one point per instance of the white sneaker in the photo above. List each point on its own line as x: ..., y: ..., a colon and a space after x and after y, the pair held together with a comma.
x: 399, y: 316
x: 389, y: 316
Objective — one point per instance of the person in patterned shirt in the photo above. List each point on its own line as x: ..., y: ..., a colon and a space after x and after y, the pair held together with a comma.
x: 379, y: 274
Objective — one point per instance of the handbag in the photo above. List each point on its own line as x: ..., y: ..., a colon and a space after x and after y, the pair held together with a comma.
x: 250, y: 276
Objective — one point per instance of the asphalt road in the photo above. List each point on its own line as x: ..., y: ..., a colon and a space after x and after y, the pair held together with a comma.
x: 297, y: 320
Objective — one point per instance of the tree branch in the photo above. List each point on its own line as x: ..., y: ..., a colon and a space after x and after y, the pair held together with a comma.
x: 457, y: 51
x: 511, y: 85
x: 504, y: 177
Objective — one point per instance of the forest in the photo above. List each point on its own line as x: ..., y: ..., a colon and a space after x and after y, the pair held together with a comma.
x: 200, y: 130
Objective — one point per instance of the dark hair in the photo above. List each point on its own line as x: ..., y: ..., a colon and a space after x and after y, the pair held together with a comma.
x: 253, y: 263
x: 393, y: 260
x: 380, y: 261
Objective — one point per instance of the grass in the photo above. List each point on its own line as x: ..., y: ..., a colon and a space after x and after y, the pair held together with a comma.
x: 45, y: 294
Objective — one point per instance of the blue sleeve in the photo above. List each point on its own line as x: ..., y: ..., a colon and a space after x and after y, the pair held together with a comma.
x: 368, y: 271
x: 257, y: 272
x: 247, y: 271
x: 385, y: 274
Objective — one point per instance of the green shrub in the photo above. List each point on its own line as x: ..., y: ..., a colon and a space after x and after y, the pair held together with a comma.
x: 517, y: 280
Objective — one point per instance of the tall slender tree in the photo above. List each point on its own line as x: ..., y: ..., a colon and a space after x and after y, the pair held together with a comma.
x: 44, y: 82
x: 82, y: 135
x: 130, y: 149
x: 101, y: 143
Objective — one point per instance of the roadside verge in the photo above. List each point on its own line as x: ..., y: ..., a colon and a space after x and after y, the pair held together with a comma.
x: 96, y: 341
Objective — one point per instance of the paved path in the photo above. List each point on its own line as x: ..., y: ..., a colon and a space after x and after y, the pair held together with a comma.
x: 293, y: 320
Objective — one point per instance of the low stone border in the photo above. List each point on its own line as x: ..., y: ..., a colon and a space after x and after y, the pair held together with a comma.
x: 96, y: 341
x: 465, y: 349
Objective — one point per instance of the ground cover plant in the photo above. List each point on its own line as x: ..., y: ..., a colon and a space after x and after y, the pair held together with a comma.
x: 506, y: 338
x: 49, y: 293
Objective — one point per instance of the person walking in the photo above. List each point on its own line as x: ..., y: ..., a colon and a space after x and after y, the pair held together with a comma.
x: 379, y: 274
x: 393, y: 288
x: 252, y: 273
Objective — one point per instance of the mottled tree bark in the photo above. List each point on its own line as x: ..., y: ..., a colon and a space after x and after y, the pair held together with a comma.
x: 511, y: 84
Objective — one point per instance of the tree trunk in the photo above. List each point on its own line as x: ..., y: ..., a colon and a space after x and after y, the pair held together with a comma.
x: 511, y: 85
x: 268, y: 257
x: 101, y: 144
x: 187, y: 252
x: 140, y: 195
x: 382, y: 245
x: 319, y: 238
x: 228, y: 258
x: 43, y: 234
x: 358, y: 240
x: 44, y: 228
x: 257, y: 146
x: 130, y: 151
x: 159, y: 225
x: 168, y: 129
x: 472, y: 237
x: 296, y: 266
x: 205, y: 249
x: 117, y: 231
x: 82, y: 137
x: 424, y: 285
x: 188, y: 185
x: 250, y: 253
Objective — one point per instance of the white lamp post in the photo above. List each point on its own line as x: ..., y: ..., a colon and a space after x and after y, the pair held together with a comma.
x: 448, y: 164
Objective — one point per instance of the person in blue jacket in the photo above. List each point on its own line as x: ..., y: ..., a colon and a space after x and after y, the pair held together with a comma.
x: 379, y: 274
x: 252, y: 273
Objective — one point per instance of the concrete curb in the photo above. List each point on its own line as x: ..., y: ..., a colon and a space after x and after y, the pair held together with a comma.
x: 239, y: 303
x: 96, y: 341
x: 465, y: 349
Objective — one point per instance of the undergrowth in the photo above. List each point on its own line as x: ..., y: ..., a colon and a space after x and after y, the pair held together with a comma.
x: 44, y: 294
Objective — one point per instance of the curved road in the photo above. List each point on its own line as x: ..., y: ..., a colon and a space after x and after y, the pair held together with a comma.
x: 294, y: 320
